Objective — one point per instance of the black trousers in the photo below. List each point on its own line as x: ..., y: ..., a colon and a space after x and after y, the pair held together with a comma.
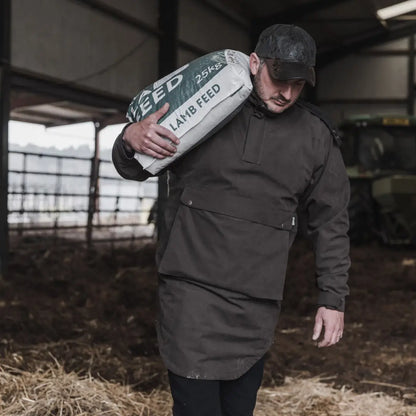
x: 195, y: 397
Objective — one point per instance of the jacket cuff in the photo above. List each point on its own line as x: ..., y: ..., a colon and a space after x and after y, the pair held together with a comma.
x: 128, y: 154
x: 331, y: 301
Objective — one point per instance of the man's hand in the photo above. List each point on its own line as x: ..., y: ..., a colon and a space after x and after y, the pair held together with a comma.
x: 333, y: 324
x: 148, y: 137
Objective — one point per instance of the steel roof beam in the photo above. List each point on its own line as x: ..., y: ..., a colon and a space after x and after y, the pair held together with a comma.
x: 21, y: 101
x: 368, y: 40
x: 290, y: 15
x: 231, y: 16
x: 117, y: 14
x: 66, y: 90
x: 297, y: 13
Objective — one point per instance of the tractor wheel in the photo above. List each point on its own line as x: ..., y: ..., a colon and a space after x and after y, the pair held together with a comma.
x: 361, y: 211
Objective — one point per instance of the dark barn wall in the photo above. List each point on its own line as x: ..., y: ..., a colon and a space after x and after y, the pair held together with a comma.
x: 373, y: 81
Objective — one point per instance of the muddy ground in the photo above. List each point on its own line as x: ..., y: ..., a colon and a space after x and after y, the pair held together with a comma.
x: 93, y: 311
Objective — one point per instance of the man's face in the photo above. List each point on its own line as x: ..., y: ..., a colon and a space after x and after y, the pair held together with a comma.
x: 277, y: 95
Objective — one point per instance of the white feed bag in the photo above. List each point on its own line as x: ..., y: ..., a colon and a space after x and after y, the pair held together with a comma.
x: 201, y: 94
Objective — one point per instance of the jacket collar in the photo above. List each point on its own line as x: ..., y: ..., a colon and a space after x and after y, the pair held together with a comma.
x: 259, y: 105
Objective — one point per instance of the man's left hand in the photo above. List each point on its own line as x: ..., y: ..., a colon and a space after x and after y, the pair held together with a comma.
x: 332, y: 323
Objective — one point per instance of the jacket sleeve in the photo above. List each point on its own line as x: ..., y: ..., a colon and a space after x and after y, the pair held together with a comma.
x: 326, y: 210
x: 125, y: 163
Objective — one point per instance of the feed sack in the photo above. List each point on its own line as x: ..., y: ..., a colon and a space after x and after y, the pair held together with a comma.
x: 202, y: 94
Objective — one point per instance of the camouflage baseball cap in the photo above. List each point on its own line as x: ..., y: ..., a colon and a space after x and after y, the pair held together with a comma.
x: 289, y: 52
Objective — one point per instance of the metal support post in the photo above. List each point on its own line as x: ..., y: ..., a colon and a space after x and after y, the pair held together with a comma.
x: 411, y: 77
x: 168, y: 47
x: 5, y: 16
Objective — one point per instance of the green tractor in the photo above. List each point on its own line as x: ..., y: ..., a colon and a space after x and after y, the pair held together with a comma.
x: 380, y: 156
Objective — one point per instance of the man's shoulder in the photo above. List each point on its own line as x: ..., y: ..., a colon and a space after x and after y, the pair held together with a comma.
x: 318, y: 116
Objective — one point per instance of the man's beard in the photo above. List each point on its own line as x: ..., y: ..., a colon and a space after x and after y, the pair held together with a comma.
x: 261, y: 93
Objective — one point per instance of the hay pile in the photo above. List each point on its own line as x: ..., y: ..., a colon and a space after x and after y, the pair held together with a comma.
x: 312, y: 397
x: 54, y: 392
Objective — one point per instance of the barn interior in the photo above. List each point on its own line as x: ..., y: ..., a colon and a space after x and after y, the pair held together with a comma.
x: 78, y: 283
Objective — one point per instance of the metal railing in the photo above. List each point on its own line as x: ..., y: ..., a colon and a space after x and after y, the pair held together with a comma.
x: 82, y: 198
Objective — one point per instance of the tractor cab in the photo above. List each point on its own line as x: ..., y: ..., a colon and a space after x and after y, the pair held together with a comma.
x: 380, y: 156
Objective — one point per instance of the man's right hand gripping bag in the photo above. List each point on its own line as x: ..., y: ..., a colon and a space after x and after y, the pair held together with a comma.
x: 202, y: 94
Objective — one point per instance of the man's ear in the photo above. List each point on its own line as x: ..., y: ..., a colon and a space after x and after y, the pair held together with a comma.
x: 254, y: 63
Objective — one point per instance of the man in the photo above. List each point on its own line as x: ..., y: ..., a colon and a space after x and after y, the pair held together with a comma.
x: 231, y: 219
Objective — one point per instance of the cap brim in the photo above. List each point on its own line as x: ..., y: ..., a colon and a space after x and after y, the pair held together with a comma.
x: 283, y: 70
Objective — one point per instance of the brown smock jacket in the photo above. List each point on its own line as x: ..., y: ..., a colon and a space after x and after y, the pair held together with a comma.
x: 231, y: 219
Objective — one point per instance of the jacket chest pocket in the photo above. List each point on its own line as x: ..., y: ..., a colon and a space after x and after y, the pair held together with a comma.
x: 231, y: 242
x: 253, y: 144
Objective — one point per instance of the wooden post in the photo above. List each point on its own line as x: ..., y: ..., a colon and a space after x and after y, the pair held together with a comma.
x: 93, y: 189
